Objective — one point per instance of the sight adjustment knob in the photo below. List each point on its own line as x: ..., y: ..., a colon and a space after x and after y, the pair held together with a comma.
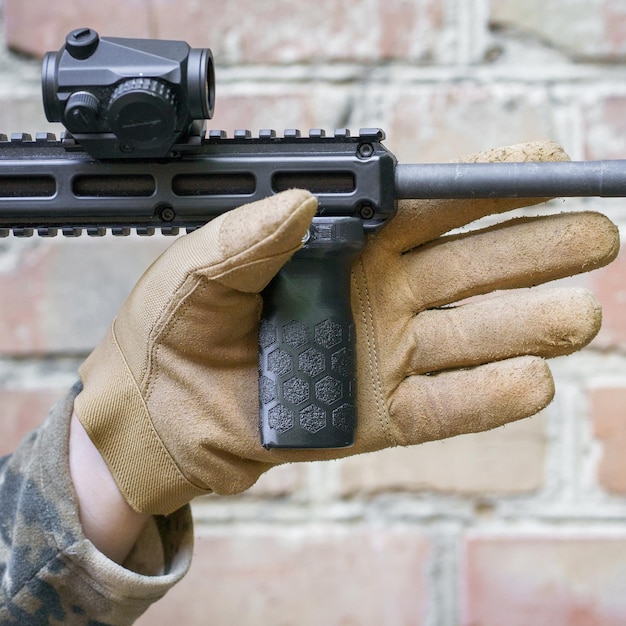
x: 81, y: 112
x: 143, y: 113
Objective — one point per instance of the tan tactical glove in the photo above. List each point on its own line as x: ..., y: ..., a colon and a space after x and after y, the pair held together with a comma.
x: 170, y: 396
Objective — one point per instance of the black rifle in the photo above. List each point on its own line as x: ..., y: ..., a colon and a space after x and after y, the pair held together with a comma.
x: 135, y: 157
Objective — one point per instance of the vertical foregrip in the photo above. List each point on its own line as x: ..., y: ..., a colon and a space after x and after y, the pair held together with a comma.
x: 307, y: 378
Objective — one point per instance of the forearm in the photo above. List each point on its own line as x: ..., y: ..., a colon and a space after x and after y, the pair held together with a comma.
x: 52, y: 572
x: 107, y: 519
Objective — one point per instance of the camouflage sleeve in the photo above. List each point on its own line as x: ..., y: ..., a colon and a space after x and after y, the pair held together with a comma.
x: 49, y: 572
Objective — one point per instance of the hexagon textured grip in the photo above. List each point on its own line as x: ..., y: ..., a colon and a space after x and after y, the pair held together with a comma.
x: 307, y: 380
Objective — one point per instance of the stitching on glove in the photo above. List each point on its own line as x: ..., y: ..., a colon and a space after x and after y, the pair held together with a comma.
x: 374, y: 365
x: 165, y: 327
x: 220, y: 240
x: 143, y: 401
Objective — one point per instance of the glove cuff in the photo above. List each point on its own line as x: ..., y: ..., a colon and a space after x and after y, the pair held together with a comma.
x: 112, y: 411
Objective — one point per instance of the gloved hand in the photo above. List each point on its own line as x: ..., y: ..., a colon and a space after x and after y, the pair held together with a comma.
x: 170, y: 396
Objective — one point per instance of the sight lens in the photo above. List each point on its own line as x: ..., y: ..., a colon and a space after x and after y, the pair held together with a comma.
x: 201, y: 83
x: 49, y: 87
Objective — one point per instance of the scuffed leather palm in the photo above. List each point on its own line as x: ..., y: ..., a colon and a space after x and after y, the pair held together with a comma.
x: 170, y: 396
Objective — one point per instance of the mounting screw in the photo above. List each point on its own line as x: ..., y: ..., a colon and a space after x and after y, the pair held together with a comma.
x: 365, y: 151
x: 167, y: 214
x: 367, y: 211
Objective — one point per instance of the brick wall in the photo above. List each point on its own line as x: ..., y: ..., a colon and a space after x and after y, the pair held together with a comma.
x: 522, y: 525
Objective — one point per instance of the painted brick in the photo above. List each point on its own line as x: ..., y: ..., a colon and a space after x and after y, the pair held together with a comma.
x: 21, y: 412
x: 446, y: 122
x: 608, y: 413
x: 332, y: 575
x: 590, y: 29
x: 280, y: 481
x: 282, y: 32
x: 545, y: 581
x: 24, y: 115
x: 254, y: 110
x: 509, y: 460
x: 60, y: 295
x: 605, y: 128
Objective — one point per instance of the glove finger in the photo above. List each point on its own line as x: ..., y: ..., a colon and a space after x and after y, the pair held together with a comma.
x: 419, y: 221
x: 518, y: 253
x: 244, y: 248
x: 544, y: 322
x: 425, y: 408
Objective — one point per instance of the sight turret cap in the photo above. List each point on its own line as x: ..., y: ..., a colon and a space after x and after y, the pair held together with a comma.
x: 81, y: 43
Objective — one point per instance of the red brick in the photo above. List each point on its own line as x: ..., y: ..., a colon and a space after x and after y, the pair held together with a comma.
x: 409, y: 30
x: 545, y: 581
x: 282, y: 32
x: 288, y: 32
x: 60, y: 295
x: 329, y: 575
x: 609, y: 286
x: 614, y: 17
x: 38, y: 26
x: 608, y: 412
x: 21, y: 412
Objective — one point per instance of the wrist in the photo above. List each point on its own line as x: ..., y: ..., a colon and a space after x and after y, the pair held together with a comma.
x: 107, y: 519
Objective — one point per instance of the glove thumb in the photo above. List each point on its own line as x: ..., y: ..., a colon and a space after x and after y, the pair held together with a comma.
x: 253, y: 242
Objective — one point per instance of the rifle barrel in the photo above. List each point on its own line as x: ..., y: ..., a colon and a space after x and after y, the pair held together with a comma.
x: 511, y: 180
